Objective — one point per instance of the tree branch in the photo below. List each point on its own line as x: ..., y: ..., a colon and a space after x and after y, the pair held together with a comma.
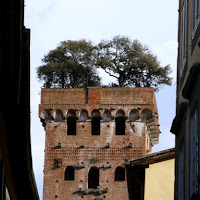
x: 110, y: 73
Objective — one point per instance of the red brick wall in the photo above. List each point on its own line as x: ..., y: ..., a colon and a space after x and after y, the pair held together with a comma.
x: 70, y: 153
x: 98, y: 96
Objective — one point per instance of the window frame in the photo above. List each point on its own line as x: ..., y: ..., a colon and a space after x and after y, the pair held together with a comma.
x: 120, y: 123
x: 71, y: 123
x: 118, y: 175
x: 69, y: 169
x: 96, y: 123
x: 120, y: 126
x: 93, y: 177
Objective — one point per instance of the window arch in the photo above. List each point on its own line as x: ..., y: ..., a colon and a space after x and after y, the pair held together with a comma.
x: 69, y: 173
x: 58, y: 115
x: 146, y: 114
x: 71, y: 122
x: 107, y: 116
x: 133, y: 115
x: 95, y: 122
x: 119, y: 174
x: 47, y: 115
x: 120, y: 122
x: 83, y: 115
x: 93, y: 178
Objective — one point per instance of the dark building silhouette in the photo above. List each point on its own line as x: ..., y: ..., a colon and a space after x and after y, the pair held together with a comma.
x: 186, y: 124
x: 16, y: 174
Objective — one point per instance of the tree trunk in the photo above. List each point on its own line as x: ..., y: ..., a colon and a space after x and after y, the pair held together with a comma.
x: 62, y: 79
x: 121, y: 80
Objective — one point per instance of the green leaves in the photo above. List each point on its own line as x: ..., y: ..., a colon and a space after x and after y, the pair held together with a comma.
x: 131, y: 63
x: 73, y: 64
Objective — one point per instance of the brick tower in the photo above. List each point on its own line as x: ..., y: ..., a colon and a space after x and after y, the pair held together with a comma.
x: 90, y: 135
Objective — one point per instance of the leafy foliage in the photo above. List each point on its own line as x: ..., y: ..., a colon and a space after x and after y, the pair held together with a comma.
x: 69, y: 65
x: 131, y: 63
x: 72, y: 64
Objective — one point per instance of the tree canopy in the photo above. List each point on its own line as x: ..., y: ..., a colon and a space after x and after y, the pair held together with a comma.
x: 74, y: 63
x: 131, y: 63
x: 71, y: 64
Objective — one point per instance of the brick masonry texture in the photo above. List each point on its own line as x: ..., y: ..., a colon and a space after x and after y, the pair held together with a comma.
x: 83, y: 151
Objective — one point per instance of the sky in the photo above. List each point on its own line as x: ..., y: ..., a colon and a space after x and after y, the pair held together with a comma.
x: 154, y: 23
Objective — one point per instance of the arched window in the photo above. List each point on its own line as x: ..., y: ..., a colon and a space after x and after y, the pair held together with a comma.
x: 47, y: 115
x: 119, y: 174
x: 93, y: 178
x: 133, y: 115
x: 146, y: 114
x: 58, y: 116
x: 83, y: 115
x: 120, y: 122
x: 107, y: 116
x: 95, y: 122
x: 71, y: 122
x: 69, y: 173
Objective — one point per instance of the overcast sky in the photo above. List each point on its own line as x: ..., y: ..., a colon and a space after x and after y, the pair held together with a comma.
x: 153, y: 23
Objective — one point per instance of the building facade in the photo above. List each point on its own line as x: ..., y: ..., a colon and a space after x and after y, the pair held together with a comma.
x: 90, y: 136
x: 186, y: 123
x: 151, y: 177
x: 17, y: 180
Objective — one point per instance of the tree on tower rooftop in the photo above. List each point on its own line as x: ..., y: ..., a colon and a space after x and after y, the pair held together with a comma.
x: 131, y: 63
x: 74, y: 63
x: 70, y: 65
